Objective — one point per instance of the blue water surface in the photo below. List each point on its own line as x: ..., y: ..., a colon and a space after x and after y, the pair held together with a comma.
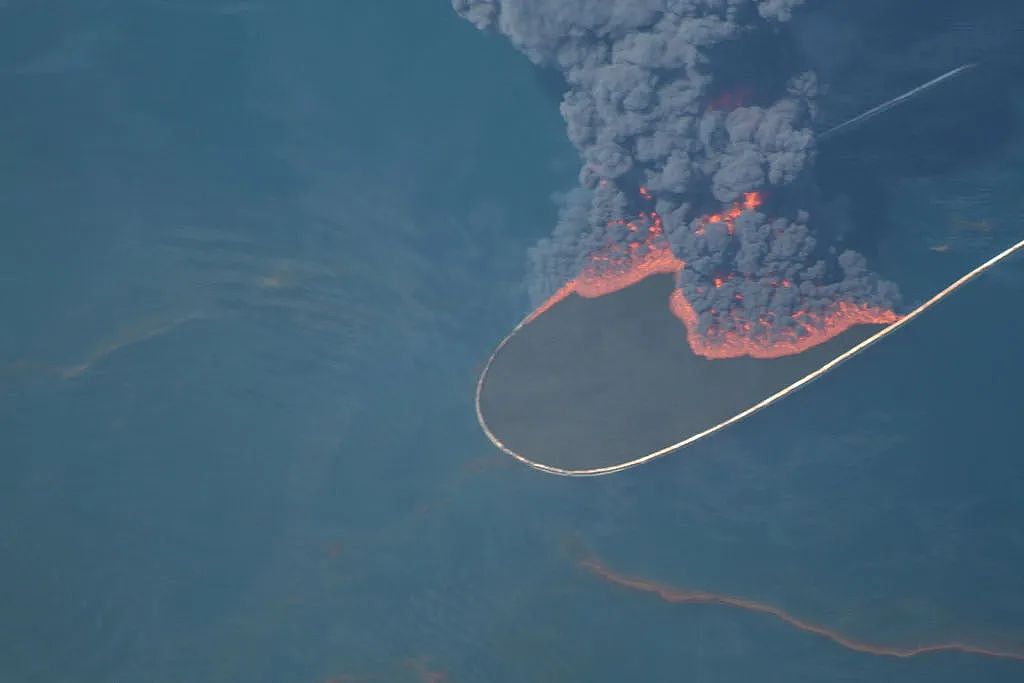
x: 253, y: 256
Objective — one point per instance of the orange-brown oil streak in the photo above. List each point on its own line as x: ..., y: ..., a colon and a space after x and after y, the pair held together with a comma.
x: 677, y: 595
x: 131, y: 338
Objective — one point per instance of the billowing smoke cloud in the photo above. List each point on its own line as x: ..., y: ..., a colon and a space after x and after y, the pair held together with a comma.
x: 640, y: 109
x: 765, y: 276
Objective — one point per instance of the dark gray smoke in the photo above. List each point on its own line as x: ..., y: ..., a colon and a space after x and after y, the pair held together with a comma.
x: 639, y: 108
x: 767, y: 271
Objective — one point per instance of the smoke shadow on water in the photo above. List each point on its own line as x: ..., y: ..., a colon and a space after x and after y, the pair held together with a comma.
x: 866, y: 53
x: 930, y: 135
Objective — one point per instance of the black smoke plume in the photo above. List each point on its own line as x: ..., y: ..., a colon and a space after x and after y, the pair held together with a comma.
x: 644, y: 109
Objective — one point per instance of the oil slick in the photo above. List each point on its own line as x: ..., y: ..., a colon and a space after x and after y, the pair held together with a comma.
x: 687, y: 439
x: 138, y: 332
x: 142, y: 331
x: 676, y: 595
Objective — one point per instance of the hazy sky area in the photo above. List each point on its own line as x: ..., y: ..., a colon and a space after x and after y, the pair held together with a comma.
x: 254, y: 254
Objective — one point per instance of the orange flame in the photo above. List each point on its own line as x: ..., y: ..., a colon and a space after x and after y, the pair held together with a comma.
x: 759, y: 339
x: 732, y: 334
x: 750, y: 202
x: 619, y: 266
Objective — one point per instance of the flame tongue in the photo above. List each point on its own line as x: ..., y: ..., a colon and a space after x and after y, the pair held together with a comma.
x: 624, y: 265
x: 762, y: 338
x: 732, y: 332
x: 621, y: 265
x: 751, y: 201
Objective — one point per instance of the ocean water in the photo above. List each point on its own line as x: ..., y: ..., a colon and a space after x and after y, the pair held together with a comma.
x: 253, y: 257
